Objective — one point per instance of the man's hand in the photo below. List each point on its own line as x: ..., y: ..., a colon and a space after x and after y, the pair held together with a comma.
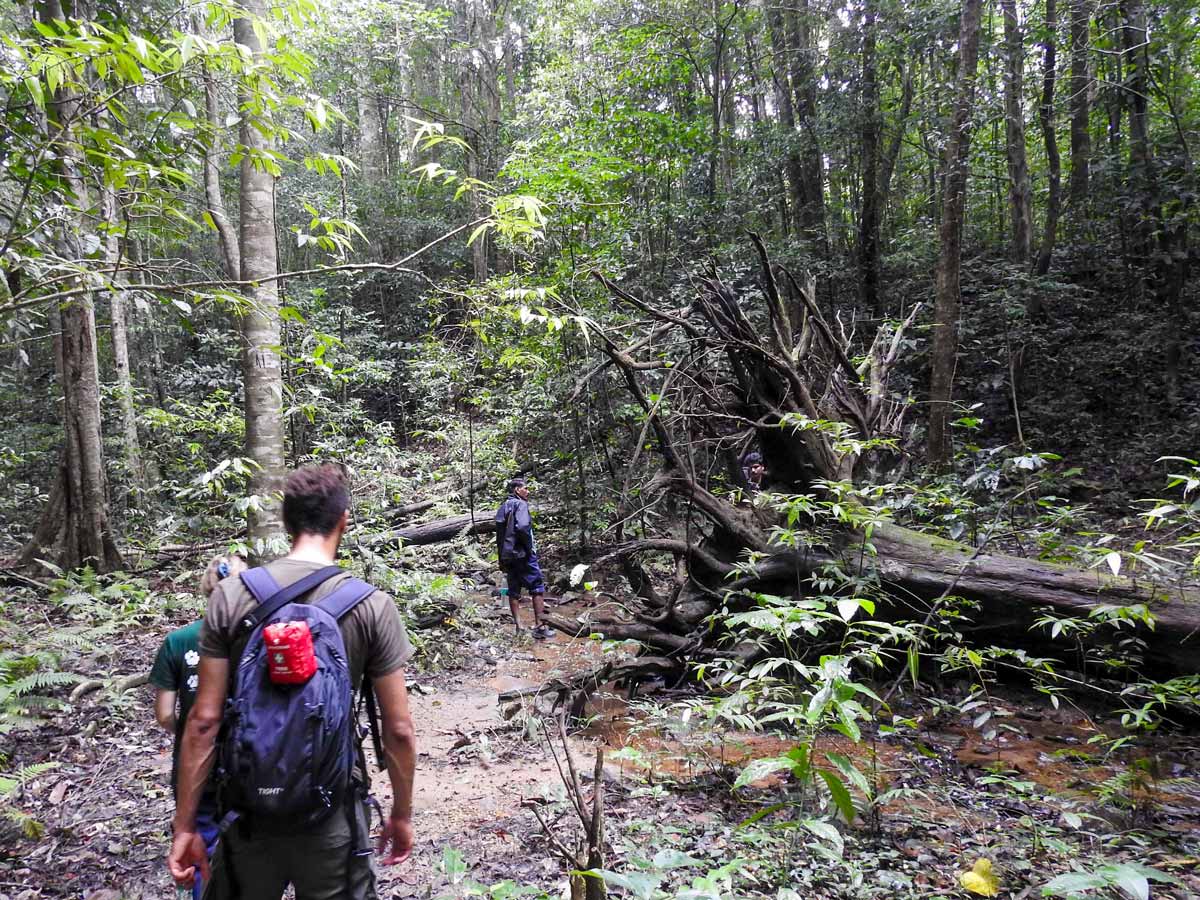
x: 398, y: 833
x: 187, y: 856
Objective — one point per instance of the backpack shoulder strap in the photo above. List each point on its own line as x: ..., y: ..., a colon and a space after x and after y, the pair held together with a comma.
x: 258, y: 581
x: 346, y: 596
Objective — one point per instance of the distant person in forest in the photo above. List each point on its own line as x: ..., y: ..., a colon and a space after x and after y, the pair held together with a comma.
x: 753, y: 471
x: 518, y: 557
x: 174, y: 676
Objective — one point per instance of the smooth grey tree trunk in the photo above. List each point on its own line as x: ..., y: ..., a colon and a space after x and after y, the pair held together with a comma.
x: 1081, y: 138
x: 370, y: 137
x: 892, y: 154
x: 1019, y: 191
x: 213, y: 198
x: 1135, y: 53
x: 802, y: 56
x: 785, y: 109
x: 74, y: 528
x: 1053, y: 162
x: 131, y: 447
x: 868, y: 225
x: 949, y: 265
x: 261, y: 368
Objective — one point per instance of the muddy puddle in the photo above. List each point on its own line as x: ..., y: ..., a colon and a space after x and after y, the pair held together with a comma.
x: 1060, y: 756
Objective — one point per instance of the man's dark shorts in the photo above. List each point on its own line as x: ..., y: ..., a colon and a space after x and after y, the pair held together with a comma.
x: 322, y: 864
x: 525, y: 574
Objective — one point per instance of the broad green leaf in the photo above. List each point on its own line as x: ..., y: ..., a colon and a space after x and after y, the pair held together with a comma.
x: 1072, y: 883
x: 837, y: 791
x: 641, y: 884
x: 826, y: 831
x: 1131, y: 882
x: 761, y: 768
x: 847, y: 608
x: 670, y: 858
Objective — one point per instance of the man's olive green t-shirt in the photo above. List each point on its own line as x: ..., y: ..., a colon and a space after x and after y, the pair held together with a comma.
x: 376, y: 642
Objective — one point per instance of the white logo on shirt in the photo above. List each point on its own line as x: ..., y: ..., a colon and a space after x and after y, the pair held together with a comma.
x: 191, y: 658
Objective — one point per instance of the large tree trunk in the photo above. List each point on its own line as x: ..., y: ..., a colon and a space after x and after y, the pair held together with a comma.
x: 1136, y: 56
x: 919, y: 571
x: 1019, y: 191
x: 1053, y: 163
x: 214, y: 199
x: 261, y: 370
x: 74, y: 526
x: 786, y: 111
x: 802, y: 57
x: 370, y: 134
x: 868, y: 226
x: 1014, y: 593
x: 437, y: 531
x: 1081, y: 84
x: 131, y: 448
x: 892, y: 154
x: 945, y: 327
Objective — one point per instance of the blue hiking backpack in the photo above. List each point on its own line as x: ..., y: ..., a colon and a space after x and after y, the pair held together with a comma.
x: 508, y: 544
x: 287, y: 752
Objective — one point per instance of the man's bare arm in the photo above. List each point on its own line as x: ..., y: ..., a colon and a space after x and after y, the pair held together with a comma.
x: 197, y: 751
x: 400, y: 752
x: 164, y: 709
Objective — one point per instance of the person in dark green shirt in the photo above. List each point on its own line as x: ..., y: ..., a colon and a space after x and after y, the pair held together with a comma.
x: 175, y: 679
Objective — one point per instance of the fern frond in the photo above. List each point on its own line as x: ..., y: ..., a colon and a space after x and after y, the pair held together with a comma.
x: 9, y: 783
x: 30, y: 827
x: 38, y: 681
x: 73, y: 640
x: 37, y: 701
x: 12, y: 721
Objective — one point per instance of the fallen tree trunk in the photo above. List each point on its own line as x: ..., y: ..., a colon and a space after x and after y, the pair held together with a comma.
x: 403, y: 512
x: 918, y: 571
x: 1013, y: 593
x: 440, y: 530
x: 472, y: 490
x: 435, y: 532
x: 818, y: 404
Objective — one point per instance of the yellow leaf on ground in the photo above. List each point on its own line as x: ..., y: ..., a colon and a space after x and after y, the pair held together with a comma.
x: 980, y: 880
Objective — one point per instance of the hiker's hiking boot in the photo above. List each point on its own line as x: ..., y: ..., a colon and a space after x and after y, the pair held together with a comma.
x: 542, y: 632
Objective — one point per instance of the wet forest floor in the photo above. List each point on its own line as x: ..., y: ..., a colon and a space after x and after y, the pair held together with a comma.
x: 1037, y: 799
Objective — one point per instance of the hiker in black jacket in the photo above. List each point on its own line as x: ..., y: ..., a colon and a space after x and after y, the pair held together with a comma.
x: 518, y: 556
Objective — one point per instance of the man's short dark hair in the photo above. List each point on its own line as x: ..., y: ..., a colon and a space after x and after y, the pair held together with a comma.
x: 513, y: 484
x: 314, y: 499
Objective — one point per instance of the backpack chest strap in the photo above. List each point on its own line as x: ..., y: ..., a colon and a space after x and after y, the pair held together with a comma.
x: 271, y: 597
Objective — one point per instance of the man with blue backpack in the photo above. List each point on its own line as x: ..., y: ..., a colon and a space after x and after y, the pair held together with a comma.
x: 519, y: 559
x: 285, y: 650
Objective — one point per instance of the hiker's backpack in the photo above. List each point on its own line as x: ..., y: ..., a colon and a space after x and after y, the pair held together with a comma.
x: 287, y: 751
x: 508, y: 545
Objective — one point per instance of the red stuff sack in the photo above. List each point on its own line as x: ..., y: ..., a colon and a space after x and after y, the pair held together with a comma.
x: 290, y: 658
